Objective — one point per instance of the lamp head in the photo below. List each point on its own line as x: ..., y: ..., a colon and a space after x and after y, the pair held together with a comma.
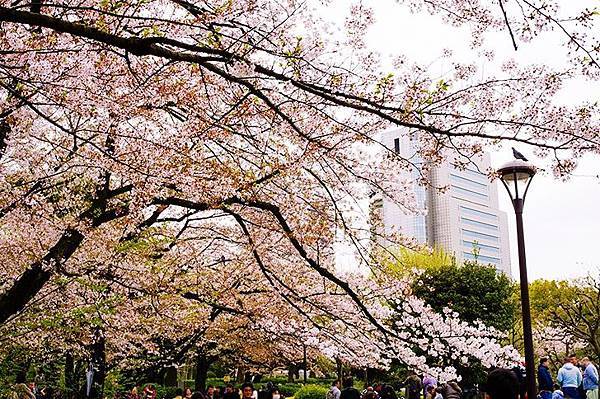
x: 516, y: 176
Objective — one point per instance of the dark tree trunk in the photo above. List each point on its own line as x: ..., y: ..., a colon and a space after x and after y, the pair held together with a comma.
x: 339, y: 367
x: 21, y: 375
x: 170, y: 379
x: 241, y: 371
x: 34, y: 278
x: 70, y: 381
x: 202, y: 365
x: 4, y: 132
x: 99, y: 363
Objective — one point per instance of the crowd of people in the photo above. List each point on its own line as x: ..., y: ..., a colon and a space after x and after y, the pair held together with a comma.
x: 415, y: 388
x: 576, y: 379
x: 500, y: 384
x: 247, y: 391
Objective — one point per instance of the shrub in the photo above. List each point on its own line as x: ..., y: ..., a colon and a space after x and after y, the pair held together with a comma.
x: 311, y: 392
x: 289, y: 390
x: 165, y: 392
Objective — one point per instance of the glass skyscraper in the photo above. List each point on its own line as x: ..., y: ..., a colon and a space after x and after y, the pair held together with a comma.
x: 464, y: 219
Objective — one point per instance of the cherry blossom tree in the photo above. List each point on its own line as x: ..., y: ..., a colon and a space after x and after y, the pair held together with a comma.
x: 200, y: 153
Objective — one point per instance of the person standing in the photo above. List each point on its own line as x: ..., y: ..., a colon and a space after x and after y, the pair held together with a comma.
x: 569, y: 377
x: 133, y: 394
x: 545, y: 383
x: 590, y: 379
x: 149, y: 392
x: 247, y: 390
x: 387, y: 392
x: 210, y: 392
x: 231, y: 392
x: 334, y: 392
x: 428, y: 381
x: 413, y: 386
x: 349, y: 392
x: 502, y: 384
x: 450, y: 390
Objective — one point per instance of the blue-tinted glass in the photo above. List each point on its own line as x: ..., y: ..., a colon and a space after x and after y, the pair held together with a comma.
x: 481, y: 225
x: 483, y: 247
x: 478, y: 236
x: 474, y: 212
x: 460, y: 180
x: 469, y: 193
x: 482, y: 258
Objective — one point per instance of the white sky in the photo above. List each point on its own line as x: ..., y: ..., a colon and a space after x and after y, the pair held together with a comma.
x: 561, y: 218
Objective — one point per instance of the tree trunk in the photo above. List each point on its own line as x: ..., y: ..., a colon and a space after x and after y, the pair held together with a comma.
x: 69, y: 375
x: 99, y: 364
x: 21, y: 375
x: 202, y: 366
x: 170, y: 379
x: 339, y: 369
x: 292, y: 372
x: 33, y: 279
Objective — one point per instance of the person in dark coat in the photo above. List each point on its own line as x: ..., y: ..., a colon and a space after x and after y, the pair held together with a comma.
x: 349, y: 392
x: 545, y: 383
x: 502, y: 384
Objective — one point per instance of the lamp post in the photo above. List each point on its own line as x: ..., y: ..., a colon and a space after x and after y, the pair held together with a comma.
x: 516, y: 177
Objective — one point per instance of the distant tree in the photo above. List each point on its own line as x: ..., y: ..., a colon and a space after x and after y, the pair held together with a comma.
x: 473, y: 290
x: 576, y: 311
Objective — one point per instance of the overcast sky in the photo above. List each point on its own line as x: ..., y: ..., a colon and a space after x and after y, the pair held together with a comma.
x: 561, y: 218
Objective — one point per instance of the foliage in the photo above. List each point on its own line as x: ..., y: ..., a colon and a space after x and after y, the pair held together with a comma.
x: 325, y: 365
x: 567, y: 315
x: 311, y: 392
x: 163, y: 392
x: 473, y: 290
x: 289, y: 389
x: 405, y: 260
x: 477, y: 293
x: 546, y: 296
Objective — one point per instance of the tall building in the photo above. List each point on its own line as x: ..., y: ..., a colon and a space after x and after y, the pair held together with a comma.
x: 464, y: 220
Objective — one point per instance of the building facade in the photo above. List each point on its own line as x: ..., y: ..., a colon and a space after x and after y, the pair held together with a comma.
x: 464, y: 219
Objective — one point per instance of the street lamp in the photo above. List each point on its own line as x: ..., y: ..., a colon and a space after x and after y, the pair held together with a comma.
x: 516, y: 176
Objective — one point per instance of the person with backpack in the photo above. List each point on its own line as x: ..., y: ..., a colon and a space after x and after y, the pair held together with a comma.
x: 334, y: 391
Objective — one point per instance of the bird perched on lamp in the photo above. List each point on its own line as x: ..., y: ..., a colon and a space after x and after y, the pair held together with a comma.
x: 518, y: 155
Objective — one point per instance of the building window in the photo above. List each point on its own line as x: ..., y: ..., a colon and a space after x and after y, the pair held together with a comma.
x: 479, y: 236
x: 475, y: 174
x: 468, y: 193
x: 461, y: 180
x: 480, y: 214
x: 482, y: 258
x: 481, y: 225
x: 488, y: 248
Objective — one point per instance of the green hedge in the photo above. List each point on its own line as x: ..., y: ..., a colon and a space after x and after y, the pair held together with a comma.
x: 289, y: 390
x: 311, y: 392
